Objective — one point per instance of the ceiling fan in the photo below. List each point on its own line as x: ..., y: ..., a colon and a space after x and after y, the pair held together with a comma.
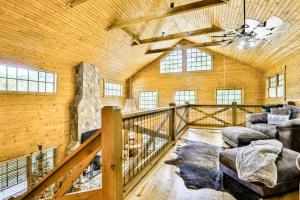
x: 252, y: 32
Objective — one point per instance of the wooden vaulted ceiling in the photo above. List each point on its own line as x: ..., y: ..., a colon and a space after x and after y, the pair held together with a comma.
x: 52, y: 33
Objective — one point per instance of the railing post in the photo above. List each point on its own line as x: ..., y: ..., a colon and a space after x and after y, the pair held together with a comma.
x: 187, y: 103
x: 172, y: 122
x: 234, y: 113
x: 112, y: 186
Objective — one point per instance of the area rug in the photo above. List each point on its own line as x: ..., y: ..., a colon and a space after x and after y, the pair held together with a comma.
x: 198, y: 163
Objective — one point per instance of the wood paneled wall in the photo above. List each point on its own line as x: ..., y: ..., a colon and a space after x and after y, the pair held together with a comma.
x: 292, y: 64
x: 226, y: 73
x: 27, y: 120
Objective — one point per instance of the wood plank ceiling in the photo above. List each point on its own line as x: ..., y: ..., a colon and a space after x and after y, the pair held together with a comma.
x: 52, y: 33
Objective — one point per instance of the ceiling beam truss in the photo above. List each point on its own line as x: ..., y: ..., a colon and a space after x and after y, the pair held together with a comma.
x: 212, y: 29
x: 73, y: 3
x: 187, y: 46
x: 169, y: 12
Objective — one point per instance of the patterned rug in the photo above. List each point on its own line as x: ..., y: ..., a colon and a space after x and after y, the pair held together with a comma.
x: 199, y: 168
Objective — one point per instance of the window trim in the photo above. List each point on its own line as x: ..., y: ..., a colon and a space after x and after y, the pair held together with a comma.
x: 184, y: 61
x: 16, y: 92
x: 188, y: 89
x: 276, y: 85
x: 113, y: 82
x: 157, y: 99
x: 168, y: 54
x: 242, y: 94
x: 209, y: 53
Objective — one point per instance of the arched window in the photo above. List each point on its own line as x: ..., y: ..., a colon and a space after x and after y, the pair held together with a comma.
x: 172, y: 62
x: 198, y: 60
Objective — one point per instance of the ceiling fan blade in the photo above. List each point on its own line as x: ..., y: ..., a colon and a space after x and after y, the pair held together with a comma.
x: 280, y: 29
x: 273, y: 22
x: 251, y: 25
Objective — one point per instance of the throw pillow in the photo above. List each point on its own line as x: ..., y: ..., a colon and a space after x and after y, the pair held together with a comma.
x: 257, y: 118
x: 276, y: 119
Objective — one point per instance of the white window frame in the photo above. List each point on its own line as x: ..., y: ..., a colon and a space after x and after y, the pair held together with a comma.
x: 227, y: 97
x: 166, y: 63
x: 18, y: 79
x: 148, y: 100
x: 198, y: 60
x: 275, y: 86
x: 113, y: 88
x: 182, y: 102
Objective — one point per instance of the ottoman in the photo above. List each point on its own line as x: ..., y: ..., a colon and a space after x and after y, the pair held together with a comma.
x: 287, y: 172
x: 237, y: 136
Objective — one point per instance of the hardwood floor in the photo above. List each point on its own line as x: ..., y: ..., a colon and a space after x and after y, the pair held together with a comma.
x: 162, y: 182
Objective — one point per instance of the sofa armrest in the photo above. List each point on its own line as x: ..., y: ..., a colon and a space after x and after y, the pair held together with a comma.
x: 289, y: 134
x: 257, y: 118
x: 293, y: 123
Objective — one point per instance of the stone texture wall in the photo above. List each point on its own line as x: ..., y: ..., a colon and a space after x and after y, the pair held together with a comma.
x: 86, y: 107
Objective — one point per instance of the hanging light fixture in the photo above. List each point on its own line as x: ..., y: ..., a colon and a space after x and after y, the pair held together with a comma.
x: 130, y: 104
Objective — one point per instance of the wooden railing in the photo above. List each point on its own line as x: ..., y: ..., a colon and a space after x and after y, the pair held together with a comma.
x: 220, y: 115
x: 131, y: 144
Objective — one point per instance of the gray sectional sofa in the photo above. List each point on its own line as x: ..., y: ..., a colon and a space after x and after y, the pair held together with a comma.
x: 287, y: 132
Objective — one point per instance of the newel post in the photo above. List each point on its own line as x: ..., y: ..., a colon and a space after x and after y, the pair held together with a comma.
x: 172, y: 122
x: 187, y: 104
x: 112, y: 186
x: 234, y: 113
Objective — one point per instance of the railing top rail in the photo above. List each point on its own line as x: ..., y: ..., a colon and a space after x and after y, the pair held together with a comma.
x: 145, y: 112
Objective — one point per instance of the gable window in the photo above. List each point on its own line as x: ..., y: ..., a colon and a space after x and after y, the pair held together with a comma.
x: 112, y: 89
x: 183, y: 96
x: 13, y: 179
x: 198, y: 60
x: 172, y: 63
x: 148, y: 100
x: 227, y: 96
x: 276, y: 86
x: 18, y: 79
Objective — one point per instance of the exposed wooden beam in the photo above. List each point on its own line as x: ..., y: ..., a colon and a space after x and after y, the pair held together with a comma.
x: 212, y: 29
x: 73, y: 3
x: 169, y: 12
x: 134, y: 37
x: 206, y: 44
x: 84, y: 150
x: 75, y: 174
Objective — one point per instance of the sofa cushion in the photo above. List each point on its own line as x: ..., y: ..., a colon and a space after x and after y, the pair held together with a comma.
x: 286, y: 163
x: 268, y: 129
x: 242, y: 136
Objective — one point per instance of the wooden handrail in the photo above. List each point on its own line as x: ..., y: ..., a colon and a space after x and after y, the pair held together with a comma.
x: 88, y: 147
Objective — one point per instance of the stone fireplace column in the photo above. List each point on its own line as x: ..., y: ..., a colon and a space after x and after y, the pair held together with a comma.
x: 86, y: 106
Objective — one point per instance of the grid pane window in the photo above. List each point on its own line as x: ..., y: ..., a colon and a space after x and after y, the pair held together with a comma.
x: 13, y: 173
x: 112, y: 89
x: 18, y: 79
x: 50, y: 154
x: 225, y: 97
x: 172, y: 63
x: 183, y: 96
x: 148, y: 100
x: 276, y: 86
x: 198, y: 60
